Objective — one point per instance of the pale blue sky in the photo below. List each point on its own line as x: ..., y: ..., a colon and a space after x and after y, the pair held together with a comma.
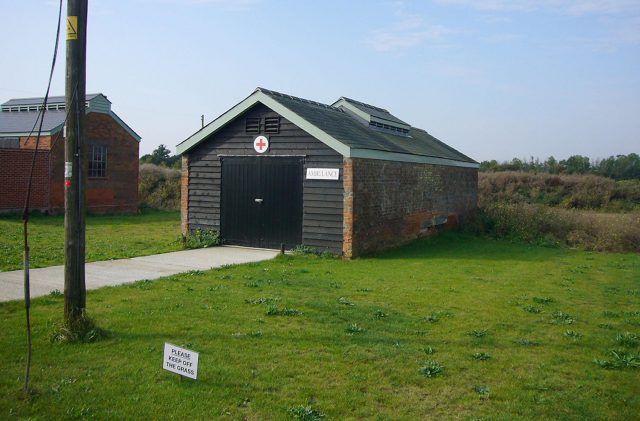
x: 495, y: 79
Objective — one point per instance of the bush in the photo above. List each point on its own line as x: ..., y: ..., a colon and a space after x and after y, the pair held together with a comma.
x: 159, y: 187
x: 202, y: 238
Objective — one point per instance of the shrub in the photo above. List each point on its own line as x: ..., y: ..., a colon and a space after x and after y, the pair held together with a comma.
x: 159, y: 187
x: 202, y: 238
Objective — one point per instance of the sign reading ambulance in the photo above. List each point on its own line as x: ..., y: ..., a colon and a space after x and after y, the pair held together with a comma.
x: 180, y: 361
x: 261, y: 144
x: 323, y: 174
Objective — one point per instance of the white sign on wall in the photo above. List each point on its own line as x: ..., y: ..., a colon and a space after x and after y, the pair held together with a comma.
x: 323, y: 174
x: 261, y: 144
x: 180, y: 361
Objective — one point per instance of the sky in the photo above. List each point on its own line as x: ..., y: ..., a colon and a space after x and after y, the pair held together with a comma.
x: 495, y: 79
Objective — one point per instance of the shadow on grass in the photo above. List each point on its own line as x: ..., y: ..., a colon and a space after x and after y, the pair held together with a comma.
x: 455, y: 245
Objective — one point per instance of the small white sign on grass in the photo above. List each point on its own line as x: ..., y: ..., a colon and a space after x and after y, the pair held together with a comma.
x: 180, y: 361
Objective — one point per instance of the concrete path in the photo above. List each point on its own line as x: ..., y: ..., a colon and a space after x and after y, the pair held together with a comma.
x: 116, y: 272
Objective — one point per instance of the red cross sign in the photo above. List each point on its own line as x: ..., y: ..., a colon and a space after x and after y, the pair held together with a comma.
x: 261, y: 144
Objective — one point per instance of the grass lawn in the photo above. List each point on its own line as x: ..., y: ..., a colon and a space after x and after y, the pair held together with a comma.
x: 108, y: 237
x: 454, y: 327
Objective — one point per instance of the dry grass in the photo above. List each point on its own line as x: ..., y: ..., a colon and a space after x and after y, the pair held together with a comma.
x: 567, y: 191
x: 541, y: 224
x: 583, y: 211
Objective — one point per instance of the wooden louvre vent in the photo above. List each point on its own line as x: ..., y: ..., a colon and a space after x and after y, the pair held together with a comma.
x: 272, y: 125
x: 252, y: 125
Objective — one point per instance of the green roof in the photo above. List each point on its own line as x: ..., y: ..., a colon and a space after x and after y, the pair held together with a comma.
x: 341, y: 131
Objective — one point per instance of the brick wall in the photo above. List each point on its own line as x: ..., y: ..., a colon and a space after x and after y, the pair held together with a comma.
x: 118, y: 191
x: 15, y: 166
x: 43, y: 144
x: 393, y: 203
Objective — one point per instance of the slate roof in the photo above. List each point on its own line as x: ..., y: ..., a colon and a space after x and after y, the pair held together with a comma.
x: 345, y: 129
x: 24, y: 121
x: 341, y: 131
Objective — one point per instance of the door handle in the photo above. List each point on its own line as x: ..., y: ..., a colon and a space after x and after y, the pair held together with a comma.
x: 258, y: 200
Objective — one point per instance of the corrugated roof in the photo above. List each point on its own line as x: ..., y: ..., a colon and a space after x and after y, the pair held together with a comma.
x: 38, y: 101
x: 24, y: 121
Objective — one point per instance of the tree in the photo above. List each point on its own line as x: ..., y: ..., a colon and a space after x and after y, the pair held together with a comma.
x: 576, y: 164
x: 160, y: 156
x: 489, y: 165
x: 551, y: 165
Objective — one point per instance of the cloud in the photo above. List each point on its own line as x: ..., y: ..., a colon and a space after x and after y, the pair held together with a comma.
x: 457, y: 71
x: 403, y: 38
x: 629, y: 32
x: 226, y: 5
x: 408, y: 31
x: 501, y: 38
x: 573, y: 7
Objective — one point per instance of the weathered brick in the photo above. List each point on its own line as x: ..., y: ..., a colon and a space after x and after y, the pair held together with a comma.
x: 393, y: 203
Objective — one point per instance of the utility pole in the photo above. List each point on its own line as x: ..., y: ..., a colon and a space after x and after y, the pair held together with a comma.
x: 75, y: 168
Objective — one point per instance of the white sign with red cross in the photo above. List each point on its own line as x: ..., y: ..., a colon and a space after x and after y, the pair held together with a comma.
x: 261, y: 144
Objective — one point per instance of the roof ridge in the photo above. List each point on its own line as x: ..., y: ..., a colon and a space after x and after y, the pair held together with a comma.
x: 364, y: 104
x: 299, y: 99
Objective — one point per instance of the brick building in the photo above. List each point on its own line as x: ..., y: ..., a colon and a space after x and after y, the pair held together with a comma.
x: 347, y: 177
x: 111, y: 152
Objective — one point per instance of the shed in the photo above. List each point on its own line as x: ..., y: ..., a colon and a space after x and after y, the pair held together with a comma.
x: 111, y: 151
x: 347, y: 177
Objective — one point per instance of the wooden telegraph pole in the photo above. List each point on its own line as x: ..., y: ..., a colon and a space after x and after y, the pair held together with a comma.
x: 75, y: 168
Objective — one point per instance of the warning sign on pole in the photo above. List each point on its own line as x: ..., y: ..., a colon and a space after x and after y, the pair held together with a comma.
x: 72, y: 27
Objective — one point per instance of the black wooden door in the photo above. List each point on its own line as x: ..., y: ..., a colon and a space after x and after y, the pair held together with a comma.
x: 261, y: 203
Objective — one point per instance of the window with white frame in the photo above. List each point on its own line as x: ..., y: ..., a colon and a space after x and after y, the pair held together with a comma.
x: 98, y: 161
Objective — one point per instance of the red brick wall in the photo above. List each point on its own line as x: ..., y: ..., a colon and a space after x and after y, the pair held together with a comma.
x: 394, y: 203
x: 15, y: 166
x: 118, y: 191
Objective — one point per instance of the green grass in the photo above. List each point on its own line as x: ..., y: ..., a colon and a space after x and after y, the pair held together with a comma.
x: 331, y: 360
x: 107, y: 237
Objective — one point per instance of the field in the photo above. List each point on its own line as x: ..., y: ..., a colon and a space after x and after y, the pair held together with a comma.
x: 454, y: 327
x: 108, y: 237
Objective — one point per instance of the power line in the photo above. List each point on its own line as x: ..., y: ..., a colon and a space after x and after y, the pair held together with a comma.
x: 25, y: 213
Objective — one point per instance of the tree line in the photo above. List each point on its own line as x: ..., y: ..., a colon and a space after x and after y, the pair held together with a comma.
x: 619, y: 167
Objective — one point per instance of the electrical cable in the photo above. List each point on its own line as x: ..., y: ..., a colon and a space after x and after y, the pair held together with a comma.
x: 25, y: 214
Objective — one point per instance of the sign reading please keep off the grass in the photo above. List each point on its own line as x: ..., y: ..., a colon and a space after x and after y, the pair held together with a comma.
x: 180, y: 361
